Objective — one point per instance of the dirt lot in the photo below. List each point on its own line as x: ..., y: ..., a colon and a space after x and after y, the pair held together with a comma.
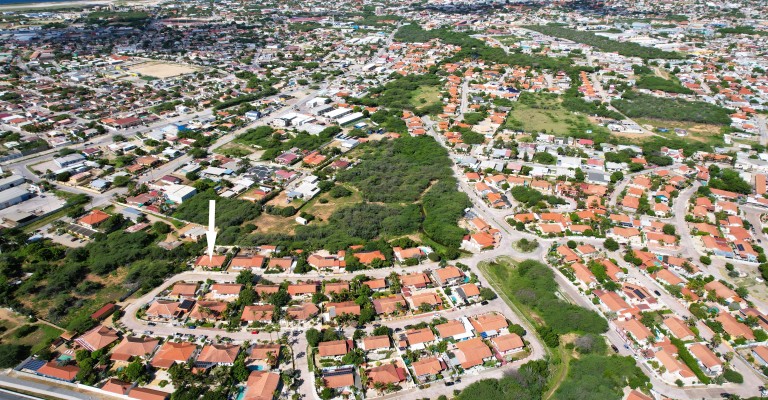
x: 161, y: 69
x: 267, y: 223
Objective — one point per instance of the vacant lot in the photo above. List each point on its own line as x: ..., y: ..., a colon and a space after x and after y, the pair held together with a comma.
x: 161, y: 69
x: 544, y: 115
x: 233, y: 149
x: 700, y: 132
x: 425, y: 95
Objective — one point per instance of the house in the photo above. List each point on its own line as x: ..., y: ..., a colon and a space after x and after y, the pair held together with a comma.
x: 171, y: 353
x: 405, y: 254
x: 722, y: 292
x: 733, y: 327
x: 456, y: 329
x: 345, y: 307
x: 448, y: 275
x: 390, y: 304
x: 377, y: 285
x: 283, y: 263
x: 207, y: 262
x: 225, y: 291
x: 334, y: 349
x: 339, y: 379
x: 303, y: 312
x: 626, y: 235
x: 675, y: 369
x: 302, y: 289
x: 427, y: 369
x: 163, y: 309
x: 472, y: 353
x: 428, y: 298
x: 93, y: 219
x: 489, y: 325
x: 252, y: 262
x: 371, y: 343
x: 262, y: 385
x: 54, y: 370
x: 368, y: 257
x: 117, y: 386
x: 147, y: 394
x: 204, y: 310
x: 469, y: 292
x: 217, y: 354
x: 613, y: 302
x: 392, y: 373
x: 639, y: 332
x: 760, y: 353
x: 419, y: 339
x: 97, y: 338
x: 133, y: 346
x: 706, y: 358
x: 257, y: 313
x: 335, y: 287
x: 508, y: 345
x: 181, y: 289
x: 417, y: 280
x: 265, y: 356
x: 718, y: 246
x: 679, y: 329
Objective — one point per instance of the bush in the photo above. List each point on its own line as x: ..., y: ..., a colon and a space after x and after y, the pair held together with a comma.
x: 733, y: 376
x: 705, y: 260
x: 12, y: 354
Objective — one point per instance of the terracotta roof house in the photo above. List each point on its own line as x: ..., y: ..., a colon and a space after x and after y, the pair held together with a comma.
x: 97, y: 338
x: 428, y: 368
x: 336, y: 348
x: 638, y: 331
x: 266, y: 289
x: 260, y: 313
x: 636, y: 395
x: 706, y: 358
x: 370, y: 343
x: 251, y: 262
x: 419, y: 338
x: 163, y: 309
x: 367, y: 257
x: 335, y: 287
x: 93, y: 219
x: 147, y: 394
x: 301, y: 289
x: 217, y: 354
x: 455, y: 329
x: 404, y: 254
x: 266, y: 355
x: 733, y: 327
x: 53, y: 370
x: 468, y: 291
x: 387, y: 373
x: 225, y: 290
x: 171, y: 353
x: 448, y: 275
x: 283, y: 263
x: 417, y: 280
x: 490, y: 324
x: 428, y: 298
x: 679, y: 329
x: 303, y: 312
x: 345, y: 307
x: 339, y: 379
x: 117, y: 386
x: 204, y: 310
x: 261, y: 385
x: 390, y: 304
x: 132, y: 346
x: 376, y: 284
x: 211, y: 262
x: 182, y: 289
x: 472, y: 353
x: 507, y: 345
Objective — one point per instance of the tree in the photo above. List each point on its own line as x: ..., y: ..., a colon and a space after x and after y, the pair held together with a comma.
x: 161, y: 227
x: 12, y: 354
x: 487, y: 293
x: 705, y: 260
x: 239, y: 371
x: 313, y: 337
x: 611, y: 244
x: 668, y: 229
x: 617, y: 176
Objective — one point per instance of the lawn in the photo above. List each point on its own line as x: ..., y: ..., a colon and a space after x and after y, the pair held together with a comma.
x: 425, y: 96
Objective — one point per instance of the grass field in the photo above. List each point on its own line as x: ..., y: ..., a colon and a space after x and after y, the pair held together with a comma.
x: 700, y: 132
x: 545, y: 115
x: 233, y: 149
x: 425, y: 95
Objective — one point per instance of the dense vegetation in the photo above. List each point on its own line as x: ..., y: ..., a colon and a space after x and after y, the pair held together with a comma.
x: 230, y: 214
x: 600, y: 378
x: 407, y: 186
x: 742, y: 30
x: 638, y: 105
x: 398, y: 94
x: 627, y: 49
x: 273, y: 144
x: 529, y: 382
x: 533, y: 284
x: 651, y: 82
